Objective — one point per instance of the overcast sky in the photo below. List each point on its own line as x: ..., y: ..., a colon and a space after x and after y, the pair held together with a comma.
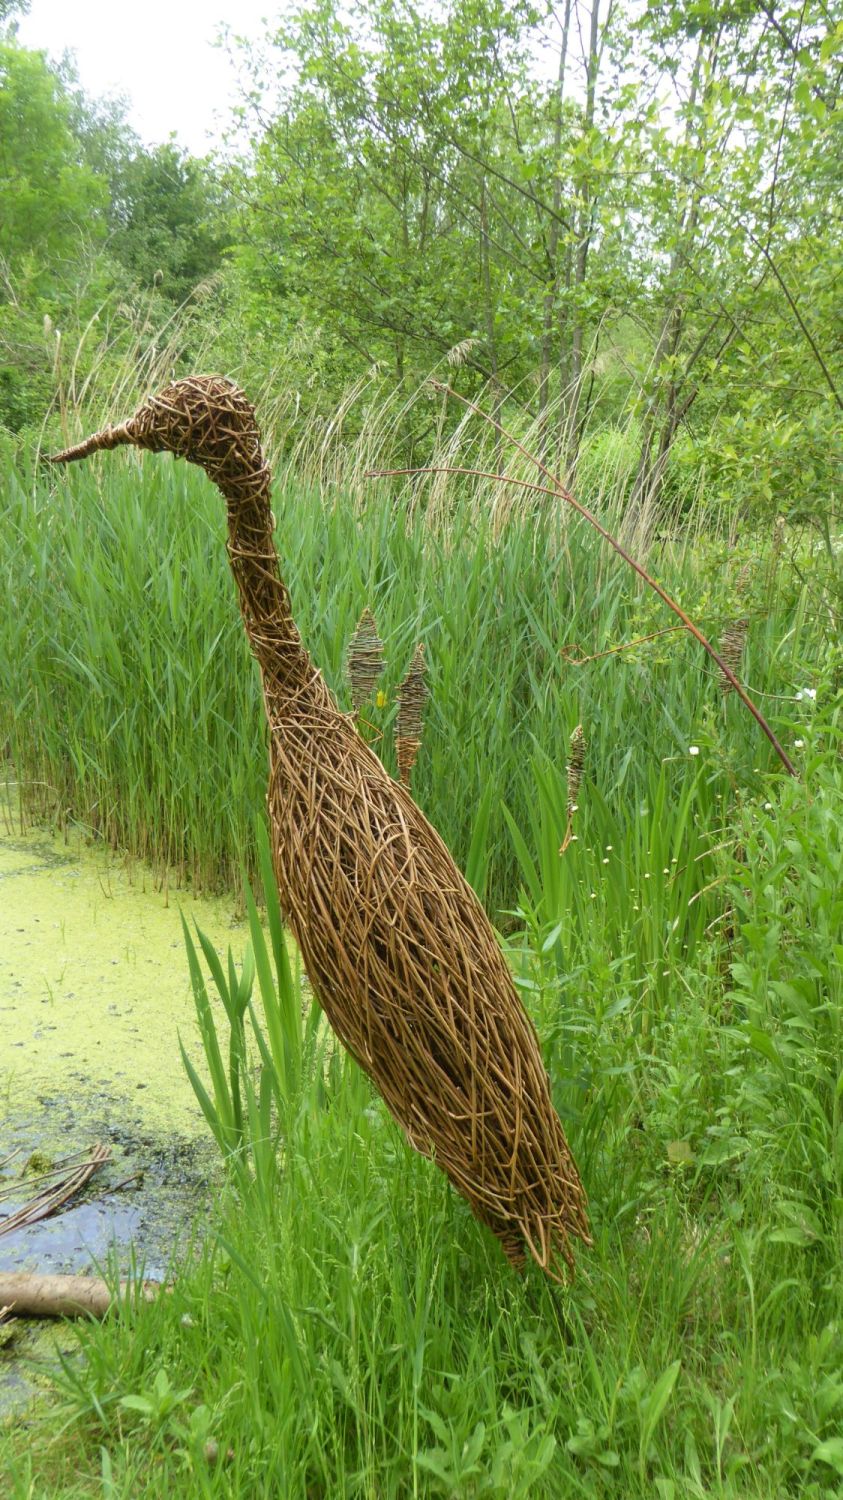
x: 159, y: 53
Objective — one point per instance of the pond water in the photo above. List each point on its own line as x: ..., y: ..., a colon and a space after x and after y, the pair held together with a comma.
x: 94, y: 993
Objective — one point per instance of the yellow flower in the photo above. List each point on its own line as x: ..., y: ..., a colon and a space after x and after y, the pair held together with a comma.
x: 380, y: 701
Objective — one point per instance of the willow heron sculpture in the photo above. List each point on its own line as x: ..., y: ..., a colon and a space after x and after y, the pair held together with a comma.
x: 395, y: 942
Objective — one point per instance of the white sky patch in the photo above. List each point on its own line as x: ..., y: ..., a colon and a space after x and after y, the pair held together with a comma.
x: 160, y: 54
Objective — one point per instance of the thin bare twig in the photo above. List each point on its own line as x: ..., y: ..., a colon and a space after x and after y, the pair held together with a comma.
x: 641, y: 640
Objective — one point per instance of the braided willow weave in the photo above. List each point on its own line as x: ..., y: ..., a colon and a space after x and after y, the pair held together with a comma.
x: 395, y: 942
x: 364, y: 660
x: 412, y: 696
x: 732, y: 645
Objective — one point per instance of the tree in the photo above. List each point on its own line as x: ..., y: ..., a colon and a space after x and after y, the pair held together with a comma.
x: 52, y: 199
x: 54, y: 209
x: 167, y: 218
x: 754, y: 181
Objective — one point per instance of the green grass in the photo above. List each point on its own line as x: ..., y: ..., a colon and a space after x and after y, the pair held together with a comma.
x: 344, y: 1327
x: 341, y: 1326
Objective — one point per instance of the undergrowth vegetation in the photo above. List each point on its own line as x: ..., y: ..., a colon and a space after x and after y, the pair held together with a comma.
x: 340, y: 1325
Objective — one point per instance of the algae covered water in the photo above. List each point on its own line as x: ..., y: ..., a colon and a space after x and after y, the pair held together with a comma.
x: 94, y: 986
x: 94, y: 993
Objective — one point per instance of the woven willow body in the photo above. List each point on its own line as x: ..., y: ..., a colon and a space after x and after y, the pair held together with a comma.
x: 394, y: 940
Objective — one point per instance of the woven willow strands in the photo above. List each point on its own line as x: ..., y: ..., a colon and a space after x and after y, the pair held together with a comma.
x: 732, y: 646
x: 394, y: 940
x: 412, y: 697
x: 364, y: 660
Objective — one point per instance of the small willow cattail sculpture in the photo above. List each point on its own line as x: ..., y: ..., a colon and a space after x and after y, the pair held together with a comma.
x: 732, y: 643
x: 412, y: 697
x: 364, y: 660
x: 394, y: 940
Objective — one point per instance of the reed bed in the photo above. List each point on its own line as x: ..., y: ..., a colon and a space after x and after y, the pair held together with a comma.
x: 130, y: 705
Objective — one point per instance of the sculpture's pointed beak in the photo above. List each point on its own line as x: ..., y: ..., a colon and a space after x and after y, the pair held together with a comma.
x: 205, y: 419
x: 109, y: 437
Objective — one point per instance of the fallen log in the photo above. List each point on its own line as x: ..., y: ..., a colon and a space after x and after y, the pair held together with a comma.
x: 24, y: 1294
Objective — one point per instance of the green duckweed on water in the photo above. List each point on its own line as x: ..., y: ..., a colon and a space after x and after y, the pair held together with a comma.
x: 94, y: 992
x: 94, y: 986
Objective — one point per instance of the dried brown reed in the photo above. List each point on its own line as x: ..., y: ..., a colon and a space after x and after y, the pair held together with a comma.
x: 54, y: 1194
x: 576, y: 765
x: 732, y: 644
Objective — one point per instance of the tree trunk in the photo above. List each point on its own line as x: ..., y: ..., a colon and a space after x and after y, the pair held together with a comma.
x: 662, y: 409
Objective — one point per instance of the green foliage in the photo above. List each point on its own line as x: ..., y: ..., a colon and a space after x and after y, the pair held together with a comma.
x: 649, y: 260
x: 51, y: 199
x: 167, y: 220
x: 280, y: 1073
x: 53, y: 208
x: 642, y: 237
x: 418, y: 190
x: 99, y: 238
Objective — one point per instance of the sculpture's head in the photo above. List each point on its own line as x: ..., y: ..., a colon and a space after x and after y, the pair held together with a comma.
x: 206, y: 419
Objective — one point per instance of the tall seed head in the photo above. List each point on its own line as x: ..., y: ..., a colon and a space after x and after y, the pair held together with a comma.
x: 459, y: 353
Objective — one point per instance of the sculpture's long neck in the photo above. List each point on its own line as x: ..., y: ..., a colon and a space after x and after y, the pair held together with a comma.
x: 289, y: 675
